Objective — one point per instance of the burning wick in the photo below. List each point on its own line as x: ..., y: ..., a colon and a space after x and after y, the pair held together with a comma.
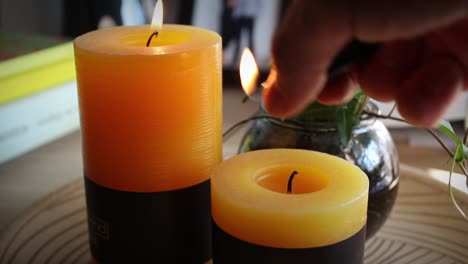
x: 249, y: 74
x: 290, y: 181
x: 156, y: 21
x: 155, y: 34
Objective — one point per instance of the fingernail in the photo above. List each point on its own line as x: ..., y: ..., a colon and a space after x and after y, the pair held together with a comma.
x: 270, y: 79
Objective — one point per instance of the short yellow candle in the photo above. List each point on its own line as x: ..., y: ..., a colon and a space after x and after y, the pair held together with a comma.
x: 152, y: 131
x: 327, y: 205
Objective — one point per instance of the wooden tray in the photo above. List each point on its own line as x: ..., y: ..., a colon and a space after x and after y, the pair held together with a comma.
x: 423, y: 228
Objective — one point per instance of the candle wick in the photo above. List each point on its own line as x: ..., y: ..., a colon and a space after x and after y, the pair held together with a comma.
x: 154, y: 34
x: 290, y: 181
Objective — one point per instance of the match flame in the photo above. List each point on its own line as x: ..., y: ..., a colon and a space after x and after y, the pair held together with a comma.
x: 249, y: 72
x: 157, y: 21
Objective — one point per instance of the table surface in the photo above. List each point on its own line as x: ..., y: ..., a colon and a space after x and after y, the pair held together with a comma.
x: 32, y: 176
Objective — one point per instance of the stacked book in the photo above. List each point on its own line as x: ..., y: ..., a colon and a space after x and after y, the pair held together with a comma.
x: 38, y: 98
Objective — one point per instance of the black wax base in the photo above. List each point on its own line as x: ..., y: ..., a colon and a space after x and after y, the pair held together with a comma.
x: 228, y: 249
x: 159, y: 227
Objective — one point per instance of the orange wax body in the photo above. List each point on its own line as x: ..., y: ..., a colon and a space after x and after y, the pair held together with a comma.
x: 151, y: 117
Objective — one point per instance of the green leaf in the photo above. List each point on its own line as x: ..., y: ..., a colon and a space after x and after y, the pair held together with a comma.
x: 346, y: 120
x: 318, y: 112
x: 447, y: 129
x: 450, y: 189
x: 356, y: 104
x: 346, y: 116
x: 459, y: 154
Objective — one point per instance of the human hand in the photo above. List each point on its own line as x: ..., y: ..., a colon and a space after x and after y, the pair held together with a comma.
x: 422, y: 63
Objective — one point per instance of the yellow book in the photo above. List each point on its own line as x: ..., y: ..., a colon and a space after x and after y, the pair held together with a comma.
x: 36, y: 71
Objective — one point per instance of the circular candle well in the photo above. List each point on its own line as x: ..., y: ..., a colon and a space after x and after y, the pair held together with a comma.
x: 164, y: 38
x: 303, y: 181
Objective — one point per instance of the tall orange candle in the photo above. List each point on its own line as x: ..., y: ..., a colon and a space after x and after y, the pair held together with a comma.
x: 151, y: 126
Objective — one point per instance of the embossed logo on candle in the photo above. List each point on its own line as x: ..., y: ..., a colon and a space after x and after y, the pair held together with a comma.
x: 99, y: 227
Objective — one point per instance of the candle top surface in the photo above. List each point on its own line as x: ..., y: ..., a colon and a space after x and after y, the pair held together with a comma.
x: 131, y: 40
x: 322, y: 173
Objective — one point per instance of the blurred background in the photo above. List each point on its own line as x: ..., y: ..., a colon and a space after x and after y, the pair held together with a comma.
x: 242, y: 23
x: 71, y: 18
x: 27, y: 26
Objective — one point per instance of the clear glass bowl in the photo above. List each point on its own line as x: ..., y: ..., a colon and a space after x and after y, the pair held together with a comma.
x: 371, y: 148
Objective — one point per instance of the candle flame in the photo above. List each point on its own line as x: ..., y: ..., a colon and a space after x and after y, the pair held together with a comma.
x: 157, y: 21
x: 249, y: 72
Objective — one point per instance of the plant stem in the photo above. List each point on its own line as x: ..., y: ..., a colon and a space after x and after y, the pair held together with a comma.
x: 384, y: 116
x: 439, y: 140
x: 236, y: 125
x: 450, y: 189
x: 463, y: 169
x: 392, y: 110
x: 465, y: 141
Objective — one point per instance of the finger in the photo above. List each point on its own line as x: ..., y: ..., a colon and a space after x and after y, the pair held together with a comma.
x: 384, y: 74
x: 303, y: 48
x: 455, y: 39
x: 427, y: 94
x: 388, y: 20
x: 338, y: 90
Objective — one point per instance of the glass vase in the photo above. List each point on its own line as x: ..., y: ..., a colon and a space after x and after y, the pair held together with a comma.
x: 370, y: 147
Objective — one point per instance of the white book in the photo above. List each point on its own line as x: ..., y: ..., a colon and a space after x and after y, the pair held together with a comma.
x: 37, y: 119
